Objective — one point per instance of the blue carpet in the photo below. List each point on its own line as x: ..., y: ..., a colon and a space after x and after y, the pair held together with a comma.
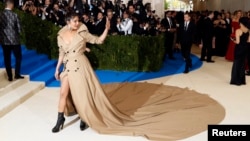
x: 40, y: 68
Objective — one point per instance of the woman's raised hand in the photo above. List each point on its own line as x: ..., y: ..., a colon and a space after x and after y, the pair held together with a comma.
x: 107, y: 23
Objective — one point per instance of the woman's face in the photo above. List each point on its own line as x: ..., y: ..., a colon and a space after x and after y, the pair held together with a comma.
x: 239, y: 14
x: 74, y: 23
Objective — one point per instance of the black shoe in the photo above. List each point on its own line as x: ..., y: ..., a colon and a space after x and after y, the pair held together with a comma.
x: 237, y: 84
x: 19, y: 77
x: 59, y: 123
x: 210, y: 61
x: 201, y: 59
x: 10, y: 79
x: 186, y: 71
x: 83, y: 125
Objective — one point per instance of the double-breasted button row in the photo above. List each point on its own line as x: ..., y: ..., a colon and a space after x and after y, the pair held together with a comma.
x: 68, y: 70
x: 68, y: 52
x: 76, y: 69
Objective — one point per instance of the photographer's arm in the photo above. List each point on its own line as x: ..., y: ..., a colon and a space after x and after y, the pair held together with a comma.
x: 25, y: 6
x: 71, y: 3
x: 33, y: 10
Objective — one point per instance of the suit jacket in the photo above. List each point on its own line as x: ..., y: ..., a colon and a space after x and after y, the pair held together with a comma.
x: 113, y: 28
x: 228, y: 26
x: 186, y: 35
x: 89, y: 25
x: 99, y: 27
x: 165, y: 23
x: 208, y: 29
x: 137, y: 29
x: 60, y: 21
x: 10, y: 28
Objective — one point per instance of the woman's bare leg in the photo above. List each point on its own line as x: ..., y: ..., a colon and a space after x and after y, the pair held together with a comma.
x: 64, y: 91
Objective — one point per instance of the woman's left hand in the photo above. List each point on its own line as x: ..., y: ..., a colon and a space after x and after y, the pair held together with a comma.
x: 57, y: 75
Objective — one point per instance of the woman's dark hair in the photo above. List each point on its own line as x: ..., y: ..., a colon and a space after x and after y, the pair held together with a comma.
x: 210, y: 13
x: 70, y: 15
x: 245, y: 22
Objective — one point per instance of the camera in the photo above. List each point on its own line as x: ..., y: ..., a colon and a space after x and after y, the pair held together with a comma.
x: 29, y: 3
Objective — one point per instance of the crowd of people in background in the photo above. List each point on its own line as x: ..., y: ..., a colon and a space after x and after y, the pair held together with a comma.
x: 126, y: 19
x: 214, y: 30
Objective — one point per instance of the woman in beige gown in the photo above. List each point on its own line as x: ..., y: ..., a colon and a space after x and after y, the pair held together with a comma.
x: 155, y: 111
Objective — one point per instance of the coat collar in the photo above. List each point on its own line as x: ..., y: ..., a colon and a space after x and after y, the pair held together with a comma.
x: 77, y: 38
x: 82, y: 27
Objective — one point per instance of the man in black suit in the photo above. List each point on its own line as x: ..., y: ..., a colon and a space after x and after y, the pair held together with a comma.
x: 113, y: 21
x: 100, y: 24
x: 10, y: 30
x: 47, y: 10
x: 87, y: 21
x: 228, y: 20
x: 58, y: 16
x: 132, y: 13
x: 170, y: 29
x: 185, y: 36
x: 207, y: 38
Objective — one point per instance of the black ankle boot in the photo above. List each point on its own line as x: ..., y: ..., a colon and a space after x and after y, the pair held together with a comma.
x: 59, y: 123
x: 83, y: 125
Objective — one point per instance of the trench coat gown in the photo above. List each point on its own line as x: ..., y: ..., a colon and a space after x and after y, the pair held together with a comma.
x: 155, y: 111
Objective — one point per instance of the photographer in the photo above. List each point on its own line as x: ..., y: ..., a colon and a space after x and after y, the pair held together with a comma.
x: 141, y: 9
x: 132, y: 13
x: 113, y: 21
x: 119, y: 8
x: 58, y: 16
x: 39, y: 4
x: 29, y: 7
x: 150, y: 18
x: 46, y: 10
x: 109, y: 4
x: 126, y: 24
x: 140, y: 28
x: 62, y: 4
